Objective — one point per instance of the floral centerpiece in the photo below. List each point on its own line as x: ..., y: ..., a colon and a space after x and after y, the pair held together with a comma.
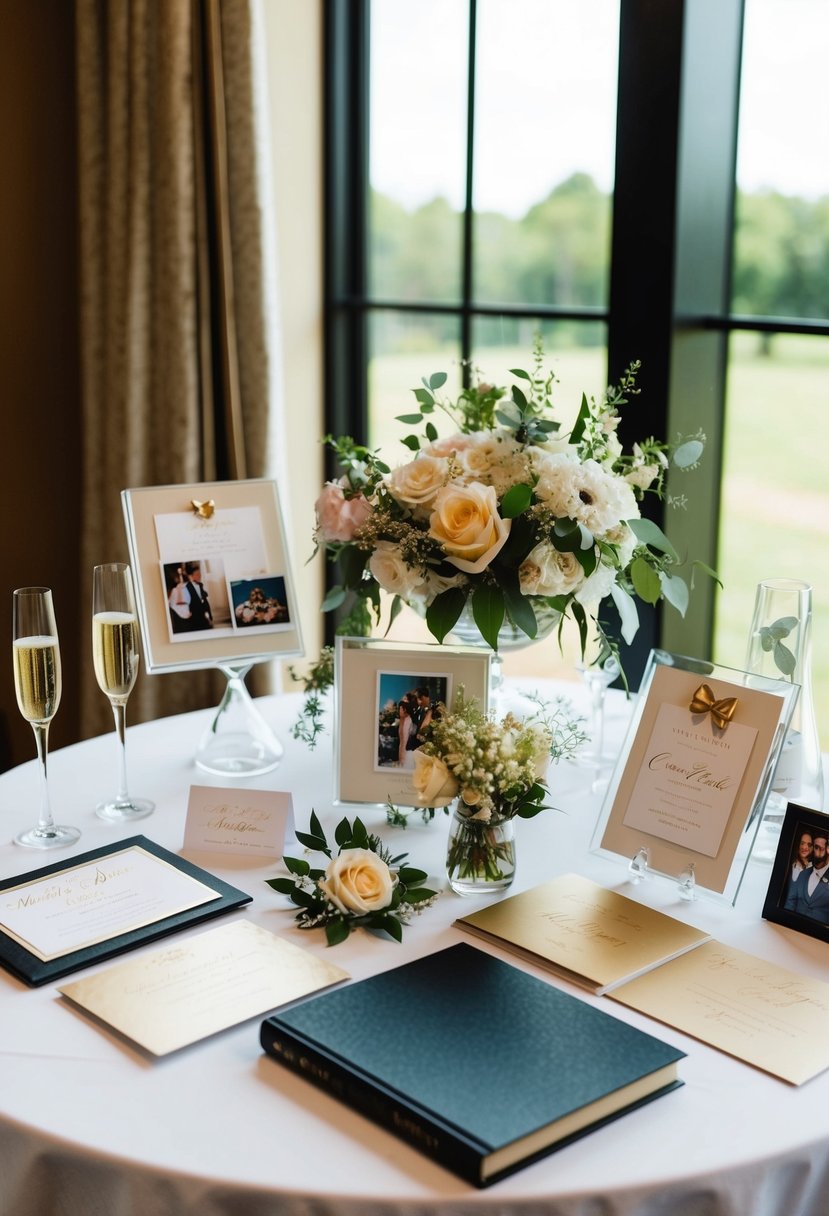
x: 361, y: 885
x: 508, y: 515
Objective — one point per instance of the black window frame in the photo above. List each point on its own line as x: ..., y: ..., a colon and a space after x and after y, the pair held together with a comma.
x: 670, y: 261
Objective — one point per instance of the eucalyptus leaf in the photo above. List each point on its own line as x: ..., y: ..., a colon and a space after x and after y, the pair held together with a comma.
x: 675, y: 590
x: 649, y: 533
x: 645, y: 580
x: 333, y: 599
x: 431, y: 431
x: 409, y: 419
x: 522, y: 375
x: 437, y: 380
x: 411, y: 442
x: 784, y: 658
x: 688, y: 453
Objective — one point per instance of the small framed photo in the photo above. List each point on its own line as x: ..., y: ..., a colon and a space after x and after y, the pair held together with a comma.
x: 798, y: 894
x: 386, y: 696
x: 212, y: 575
x: 695, y: 771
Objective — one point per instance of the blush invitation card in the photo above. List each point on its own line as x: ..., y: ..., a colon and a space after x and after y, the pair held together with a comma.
x: 248, y: 823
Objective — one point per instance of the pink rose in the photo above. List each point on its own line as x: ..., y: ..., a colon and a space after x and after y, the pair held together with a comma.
x: 338, y: 517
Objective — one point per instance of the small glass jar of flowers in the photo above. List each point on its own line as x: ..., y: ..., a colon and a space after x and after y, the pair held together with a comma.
x: 493, y: 772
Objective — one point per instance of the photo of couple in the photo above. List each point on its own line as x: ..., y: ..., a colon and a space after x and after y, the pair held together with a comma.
x: 191, y: 592
x: 407, y: 704
x: 807, y: 889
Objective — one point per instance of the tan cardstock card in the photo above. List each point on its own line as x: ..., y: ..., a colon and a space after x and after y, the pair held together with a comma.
x: 173, y: 997
x: 584, y: 932
x: 249, y: 823
x: 756, y: 1011
x: 688, y: 786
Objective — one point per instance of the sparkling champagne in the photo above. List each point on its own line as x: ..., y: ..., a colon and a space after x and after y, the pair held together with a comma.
x: 37, y: 680
x: 115, y: 652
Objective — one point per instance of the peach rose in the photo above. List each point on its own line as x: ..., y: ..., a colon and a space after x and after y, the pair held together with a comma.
x: 417, y: 482
x: 434, y: 784
x: 338, y: 517
x: 466, y: 522
x: 358, y: 881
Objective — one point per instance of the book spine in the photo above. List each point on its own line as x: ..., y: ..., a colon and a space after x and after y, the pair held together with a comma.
x: 387, y: 1109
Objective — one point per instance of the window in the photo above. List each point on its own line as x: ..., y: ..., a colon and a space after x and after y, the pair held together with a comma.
x: 503, y: 166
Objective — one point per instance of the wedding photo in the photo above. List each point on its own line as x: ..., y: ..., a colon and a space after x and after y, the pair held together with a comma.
x: 798, y: 893
x: 407, y: 704
x: 259, y: 602
x: 196, y: 597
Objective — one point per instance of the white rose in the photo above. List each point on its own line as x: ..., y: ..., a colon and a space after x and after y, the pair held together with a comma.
x: 417, y: 482
x: 391, y: 572
x: 434, y: 784
x: 466, y: 522
x: 545, y: 571
x: 358, y: 881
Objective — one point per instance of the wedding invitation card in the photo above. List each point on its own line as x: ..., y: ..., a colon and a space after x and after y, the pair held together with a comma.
x: 753, y: 1010
x: 583, y: 932
x: 64, y: 916
x: 170, y: 998
x: 701, y: 752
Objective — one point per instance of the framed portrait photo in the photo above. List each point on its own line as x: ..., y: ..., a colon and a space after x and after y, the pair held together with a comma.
x: 386, y: 696
x: 213, y: 579
x: 798, y: 894
x: 695, y: 771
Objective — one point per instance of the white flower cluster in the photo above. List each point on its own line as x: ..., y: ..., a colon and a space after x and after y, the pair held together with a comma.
x: 487, y: 764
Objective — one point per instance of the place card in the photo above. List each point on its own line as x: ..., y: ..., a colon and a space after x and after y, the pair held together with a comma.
x: 170, y: 998
x: 249, y: 823
x: 753, y: 1010
x: 64, y: 916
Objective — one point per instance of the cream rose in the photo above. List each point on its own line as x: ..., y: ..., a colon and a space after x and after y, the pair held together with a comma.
x: 434, y: 784
x: 391, y: 572
x: 358, y: 881
x: 545, y: 571
x: 338, y: 517
x: 466, y: 522
x: 417, y: 482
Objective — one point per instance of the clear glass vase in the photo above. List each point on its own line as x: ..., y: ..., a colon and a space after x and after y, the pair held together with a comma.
x: 780, y: 646
x: 480, y: 855
x: 467, y: 633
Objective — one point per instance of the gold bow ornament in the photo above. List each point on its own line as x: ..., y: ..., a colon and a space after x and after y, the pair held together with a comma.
x: 703, y: 702
x: 204, y: 510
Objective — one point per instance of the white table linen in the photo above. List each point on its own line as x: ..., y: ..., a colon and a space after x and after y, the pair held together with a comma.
x: 89, y: 1126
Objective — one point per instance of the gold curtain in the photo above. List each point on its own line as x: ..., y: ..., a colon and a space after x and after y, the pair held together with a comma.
x: 175, y: 352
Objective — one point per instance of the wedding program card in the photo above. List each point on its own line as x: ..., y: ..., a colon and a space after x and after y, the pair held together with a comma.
x: 249, y: 823
x: 753, y: 1010
x: 67, y: 915
x: 178, y: 995
x: 589, y: 935
x: 697, y: 759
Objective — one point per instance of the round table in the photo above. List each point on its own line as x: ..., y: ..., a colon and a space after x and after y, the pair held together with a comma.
x: 89, y: 1125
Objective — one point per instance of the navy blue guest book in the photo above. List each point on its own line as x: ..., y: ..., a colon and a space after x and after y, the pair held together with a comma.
x: 480, y: 1065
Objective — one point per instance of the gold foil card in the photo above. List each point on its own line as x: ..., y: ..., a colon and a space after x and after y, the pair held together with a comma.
x: 170, y: 998
x: 753, y: 1010
x: 593, y: 936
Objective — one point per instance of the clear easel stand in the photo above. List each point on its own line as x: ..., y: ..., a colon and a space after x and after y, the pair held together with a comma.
x: 638, y: 868
x: 238, y: 742
x: 687, y: 883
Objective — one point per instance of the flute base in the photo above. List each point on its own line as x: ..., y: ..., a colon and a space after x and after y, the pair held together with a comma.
x: 125, y: 812
x: 56, y: 837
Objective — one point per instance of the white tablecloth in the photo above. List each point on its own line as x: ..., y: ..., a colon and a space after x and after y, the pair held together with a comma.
x: 89, y: 1126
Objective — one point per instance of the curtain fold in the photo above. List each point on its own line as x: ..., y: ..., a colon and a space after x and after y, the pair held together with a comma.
x: 175, y: 335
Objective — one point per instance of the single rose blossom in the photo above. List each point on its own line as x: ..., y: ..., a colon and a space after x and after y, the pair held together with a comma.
x: 358, y: 881
x: 545, y: 571
x: 433, y: 783
x: 338, y: 517
x: 415, y: 484
x: 466, y: 523
x: 391, y: 571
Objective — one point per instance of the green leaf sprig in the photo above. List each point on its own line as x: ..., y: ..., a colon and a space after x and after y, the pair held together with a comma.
x: 408, y: 897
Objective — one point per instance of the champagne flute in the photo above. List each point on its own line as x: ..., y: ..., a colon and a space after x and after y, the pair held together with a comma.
x: 115, y: 656
x: 37, y: 684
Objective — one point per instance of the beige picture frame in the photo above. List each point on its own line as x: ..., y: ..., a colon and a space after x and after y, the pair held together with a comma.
x: 679, y: 771
x: 230, y: 537
x: 368, y: 673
